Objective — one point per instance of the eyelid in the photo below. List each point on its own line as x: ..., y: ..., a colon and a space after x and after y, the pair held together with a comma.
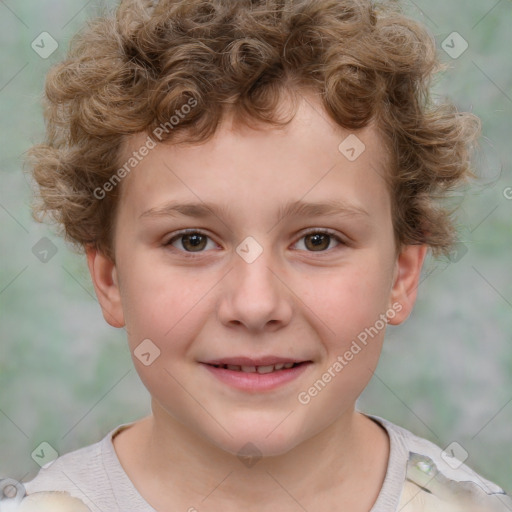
x: 326, y: 231
x: 183, y: 232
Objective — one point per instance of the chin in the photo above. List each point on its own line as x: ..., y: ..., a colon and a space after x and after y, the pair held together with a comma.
x: 245, y: 447
x: 259, y: 438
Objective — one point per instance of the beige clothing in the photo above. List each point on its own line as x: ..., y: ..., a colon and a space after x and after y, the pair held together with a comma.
x: 420, y: 477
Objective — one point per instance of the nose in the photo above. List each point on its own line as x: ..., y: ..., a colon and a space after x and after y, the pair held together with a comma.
x: 255, y: 295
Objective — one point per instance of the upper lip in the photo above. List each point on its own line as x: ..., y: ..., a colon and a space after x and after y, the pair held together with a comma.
x: 254, y: 361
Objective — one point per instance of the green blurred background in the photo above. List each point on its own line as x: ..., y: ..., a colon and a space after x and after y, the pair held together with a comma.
x: 66, y: 377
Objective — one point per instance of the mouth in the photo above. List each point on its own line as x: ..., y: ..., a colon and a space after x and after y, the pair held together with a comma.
x: 258, y: 368
x: 256, y: 374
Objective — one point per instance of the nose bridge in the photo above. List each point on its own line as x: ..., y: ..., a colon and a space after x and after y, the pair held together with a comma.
x: 254, y: 275
x: 254, y: 295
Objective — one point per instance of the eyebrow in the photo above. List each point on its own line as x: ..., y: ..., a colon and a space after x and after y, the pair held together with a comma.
x: 292, y: 209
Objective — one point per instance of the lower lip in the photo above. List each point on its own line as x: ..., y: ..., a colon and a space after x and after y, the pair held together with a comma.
x: 257, y: 381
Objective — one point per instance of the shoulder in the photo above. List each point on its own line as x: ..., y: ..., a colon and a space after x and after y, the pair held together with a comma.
x: 436, y: 479
x: 82, y: 473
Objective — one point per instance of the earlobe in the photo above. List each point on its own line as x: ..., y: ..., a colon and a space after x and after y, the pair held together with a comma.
x: 406, y: 281
x: 106, y: 285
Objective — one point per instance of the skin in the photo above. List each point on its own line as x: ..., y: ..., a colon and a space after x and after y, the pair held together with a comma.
x: 295, y: 300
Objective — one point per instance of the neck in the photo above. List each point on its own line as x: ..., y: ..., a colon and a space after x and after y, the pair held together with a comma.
x: 350, y: 454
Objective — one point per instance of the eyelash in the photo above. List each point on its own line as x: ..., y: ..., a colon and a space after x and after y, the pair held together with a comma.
x: 313, y: 231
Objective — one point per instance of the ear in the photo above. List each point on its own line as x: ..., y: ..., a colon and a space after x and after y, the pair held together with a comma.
x: 406, y: 281
x: 104, y: 277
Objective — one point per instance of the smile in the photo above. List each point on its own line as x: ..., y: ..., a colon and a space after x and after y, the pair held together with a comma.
x: 258, y: 369
x: 256, y: 378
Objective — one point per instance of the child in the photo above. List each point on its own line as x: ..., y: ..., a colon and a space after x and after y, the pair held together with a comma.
x: 254, y: 185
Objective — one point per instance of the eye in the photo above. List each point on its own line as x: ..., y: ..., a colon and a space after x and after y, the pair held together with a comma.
x: 191, y: 240
x: 318, y: 240
x: 195, y: 241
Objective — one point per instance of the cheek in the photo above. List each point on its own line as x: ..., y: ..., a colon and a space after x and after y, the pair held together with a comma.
x: 350, y: 299
x: 157, y: 300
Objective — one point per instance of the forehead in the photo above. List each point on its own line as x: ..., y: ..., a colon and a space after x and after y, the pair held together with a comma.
x: 244, y: 168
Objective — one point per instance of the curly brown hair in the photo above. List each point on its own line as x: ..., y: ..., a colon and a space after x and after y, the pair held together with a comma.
x: 131, y: 71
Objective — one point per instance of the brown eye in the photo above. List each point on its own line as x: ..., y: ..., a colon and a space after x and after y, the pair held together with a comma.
x: 196, y: 242
x: 319, y: 241
x: 191, y: 241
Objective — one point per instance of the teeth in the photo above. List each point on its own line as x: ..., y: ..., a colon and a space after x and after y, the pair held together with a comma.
x: 265, y: 369
x: 255, y: 369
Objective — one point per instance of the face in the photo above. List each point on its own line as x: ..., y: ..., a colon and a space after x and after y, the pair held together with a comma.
x: 260, y: 278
